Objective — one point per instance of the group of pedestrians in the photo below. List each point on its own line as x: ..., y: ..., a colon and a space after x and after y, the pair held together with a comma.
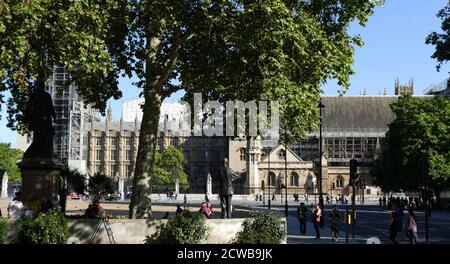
x: 16, y: 209
x: 396, y: 224
x: 315, y: 213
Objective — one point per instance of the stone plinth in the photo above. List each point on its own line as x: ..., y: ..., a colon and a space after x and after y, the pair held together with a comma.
x: 5, y: 185
x: 40, y: 178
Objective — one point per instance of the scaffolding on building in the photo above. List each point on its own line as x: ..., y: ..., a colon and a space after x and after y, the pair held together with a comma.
x: 71, y: 119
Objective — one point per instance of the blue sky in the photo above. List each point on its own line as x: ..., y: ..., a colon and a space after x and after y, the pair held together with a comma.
x: 394, y: 47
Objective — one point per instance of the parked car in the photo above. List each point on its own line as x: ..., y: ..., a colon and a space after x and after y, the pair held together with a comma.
x: 74, y: 196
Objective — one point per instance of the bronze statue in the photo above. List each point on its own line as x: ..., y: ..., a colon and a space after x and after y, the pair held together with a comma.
x: 227, y: 177
x: 38, y: 116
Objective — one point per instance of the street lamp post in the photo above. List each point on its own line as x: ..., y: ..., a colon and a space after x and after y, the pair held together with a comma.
x: 286, y: 208
x: 268, y: 202
x: 425, y: 175
x: 332, y: 188
x: 320, y: 165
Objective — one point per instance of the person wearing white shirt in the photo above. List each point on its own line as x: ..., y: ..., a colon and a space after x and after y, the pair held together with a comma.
x: 15, y: 209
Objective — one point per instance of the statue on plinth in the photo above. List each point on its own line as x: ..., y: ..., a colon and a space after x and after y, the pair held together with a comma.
x: 39, y: 115
x: 227, y: 177
x: 39, y: 166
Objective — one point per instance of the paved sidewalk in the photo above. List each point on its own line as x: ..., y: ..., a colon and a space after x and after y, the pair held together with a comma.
x: 294, y: 236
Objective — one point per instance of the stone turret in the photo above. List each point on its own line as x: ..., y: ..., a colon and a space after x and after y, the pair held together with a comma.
x: 404, y: 89
x: 136, y: 123
x: 109, y: 119
x: 121, y: 123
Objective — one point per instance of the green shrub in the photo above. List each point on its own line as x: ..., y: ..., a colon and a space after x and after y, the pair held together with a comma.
x: 50, y: 228
x: 100, y: 184
x: 264, y: 228
x: 186, y: 228
x: 4, y: 228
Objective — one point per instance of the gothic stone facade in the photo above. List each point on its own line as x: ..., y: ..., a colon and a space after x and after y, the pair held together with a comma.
x: 112, y: 150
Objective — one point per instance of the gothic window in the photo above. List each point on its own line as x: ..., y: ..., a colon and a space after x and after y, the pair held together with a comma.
x: 242, y: 154
x: 113, y: 170
x: 272, y: 179
x: 294, y: 179
x: 282, y: 154
x: 98, y: 155
x: 128, y: 168
x: 339, y: 182
x: 128, y: 155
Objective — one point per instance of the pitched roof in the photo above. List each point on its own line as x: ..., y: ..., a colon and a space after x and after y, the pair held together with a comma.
x: 357, y: 113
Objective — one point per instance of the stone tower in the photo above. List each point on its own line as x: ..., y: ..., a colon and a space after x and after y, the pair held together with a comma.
x: 404, y: 89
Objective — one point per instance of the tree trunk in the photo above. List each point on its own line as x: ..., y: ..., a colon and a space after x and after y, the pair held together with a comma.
x: 140, y: 205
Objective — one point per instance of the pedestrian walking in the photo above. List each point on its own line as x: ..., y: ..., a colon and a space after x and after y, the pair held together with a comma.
x: 396, y: 223
x: 301, y: 216
x: 316, y: 214
x: 411, y: 232
x: 335, y: 222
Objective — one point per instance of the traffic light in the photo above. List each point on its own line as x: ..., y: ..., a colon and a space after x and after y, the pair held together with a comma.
x: 353, y: 170
x: 262, y: 185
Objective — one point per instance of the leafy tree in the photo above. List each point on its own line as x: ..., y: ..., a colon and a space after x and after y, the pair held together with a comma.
x: 100, y: 184
x: 441, y: 40
x: 226, y: 50
x: 71, y: 180
x: 168, y: 167
x: 421, y: 130
x: 8, y: 162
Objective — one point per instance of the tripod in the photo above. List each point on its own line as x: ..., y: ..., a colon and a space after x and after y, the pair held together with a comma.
x: 109, y: 232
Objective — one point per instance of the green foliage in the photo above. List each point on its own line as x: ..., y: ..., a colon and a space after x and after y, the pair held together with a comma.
x: 71, y: 180
x: 8, y: 162
x: 168, y: 167
x: 50, y: 228
x: 420, y: 131
x: 441, y: 41
x: 263, y: 228
x: 100, y: 184
x: 75, y: 180
x: 4, y: 228
x: 274, y: 50
x: 35, y: 35
x: 186, y: 228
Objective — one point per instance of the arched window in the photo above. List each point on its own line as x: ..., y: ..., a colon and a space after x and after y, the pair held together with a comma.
x: 294, y: 179
x: 242, y: 154
x: 282, y: 154
x: 272, y: 179
x: 340, y: 182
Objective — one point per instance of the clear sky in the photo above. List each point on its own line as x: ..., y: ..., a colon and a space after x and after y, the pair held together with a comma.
x: 394, y: 47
